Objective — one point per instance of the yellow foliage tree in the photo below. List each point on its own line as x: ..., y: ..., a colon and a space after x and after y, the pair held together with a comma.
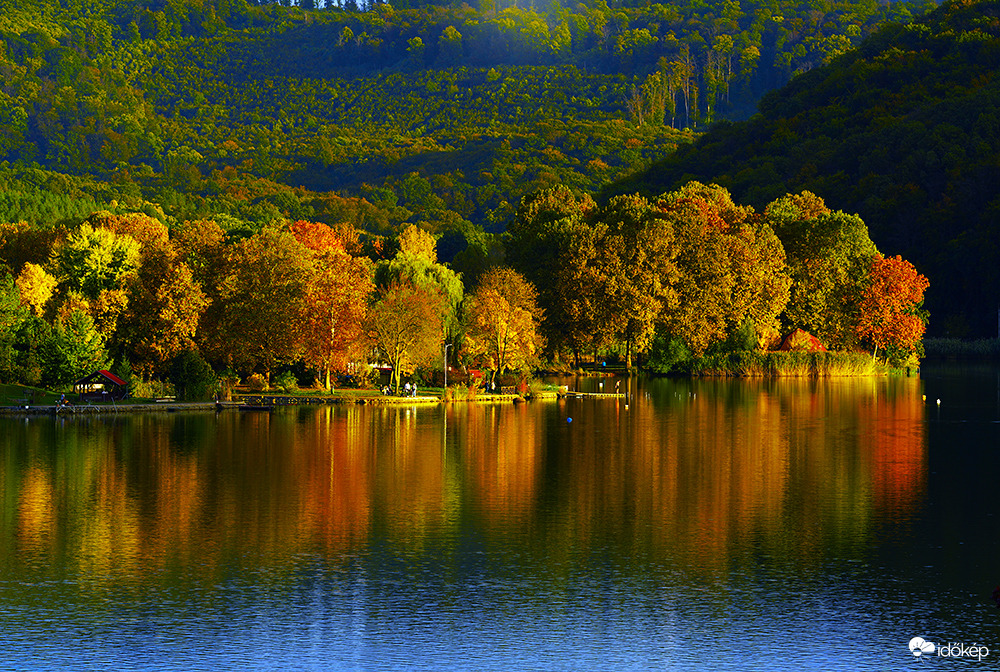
x: 503, y: 319
x: 406, y: 323
x: 36, y: 287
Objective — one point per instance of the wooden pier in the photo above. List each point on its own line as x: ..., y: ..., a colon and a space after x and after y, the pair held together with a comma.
x: 593, y: 395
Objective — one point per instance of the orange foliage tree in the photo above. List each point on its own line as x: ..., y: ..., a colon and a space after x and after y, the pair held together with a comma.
x: 336, y: 298
x: 891, y: 317
x: 406, y: 323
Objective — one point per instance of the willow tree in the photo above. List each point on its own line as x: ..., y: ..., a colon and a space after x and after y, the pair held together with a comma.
x: 416, y: 264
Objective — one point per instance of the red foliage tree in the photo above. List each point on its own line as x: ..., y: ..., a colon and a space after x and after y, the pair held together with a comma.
x: 890, y: 314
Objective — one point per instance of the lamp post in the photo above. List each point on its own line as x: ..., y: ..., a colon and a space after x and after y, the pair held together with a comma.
x: 446, y: 346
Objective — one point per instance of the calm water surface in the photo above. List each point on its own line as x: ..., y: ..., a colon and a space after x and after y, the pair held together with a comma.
x: 726, y: 525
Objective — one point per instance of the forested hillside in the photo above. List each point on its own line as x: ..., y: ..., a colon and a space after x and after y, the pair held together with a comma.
x: 906, y: 132
x: 444, y: 116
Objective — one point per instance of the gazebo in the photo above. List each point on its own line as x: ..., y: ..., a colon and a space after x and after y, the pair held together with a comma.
x: 101, y: 385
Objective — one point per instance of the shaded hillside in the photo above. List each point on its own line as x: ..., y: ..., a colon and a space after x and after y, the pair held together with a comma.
x: 904, y: 131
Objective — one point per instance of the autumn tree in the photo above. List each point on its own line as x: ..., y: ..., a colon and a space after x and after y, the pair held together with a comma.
x: 201, y: 246
x: 36, y: 287
x: 554, y: 242
x: 637, y: 256
x: 263, y: 295
x: 406, y: 324
x: 165, y: 306
x: 731, y: 267
x: 829, y: 256
x: 151, y: 234
x: 890, y: 314
x: 336, y: 298
x: 502, y: 321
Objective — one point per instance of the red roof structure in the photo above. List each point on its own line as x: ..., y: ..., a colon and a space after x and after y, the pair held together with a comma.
x: 101, y: 385
x: 801, y: 341
x: 112, y: 377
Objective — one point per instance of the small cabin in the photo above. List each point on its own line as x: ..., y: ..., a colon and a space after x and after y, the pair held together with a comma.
x: 101, y: 386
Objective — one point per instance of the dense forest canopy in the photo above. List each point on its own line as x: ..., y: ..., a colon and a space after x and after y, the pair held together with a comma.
x: 904, y: 131
x: 183, y: 98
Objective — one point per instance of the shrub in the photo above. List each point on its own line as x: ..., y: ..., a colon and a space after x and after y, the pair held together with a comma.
x: 192, y: 377
x: 286, y: 382
x: 668, y: 353
x: 150, y: 389
x: 257, y: 383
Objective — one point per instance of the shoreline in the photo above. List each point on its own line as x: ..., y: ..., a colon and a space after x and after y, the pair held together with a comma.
x: 251, y: 403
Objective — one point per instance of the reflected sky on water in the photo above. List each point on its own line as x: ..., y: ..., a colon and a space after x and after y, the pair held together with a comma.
x: 711, y: 524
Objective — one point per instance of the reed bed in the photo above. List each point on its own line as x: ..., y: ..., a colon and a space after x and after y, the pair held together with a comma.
x: 752, y: 364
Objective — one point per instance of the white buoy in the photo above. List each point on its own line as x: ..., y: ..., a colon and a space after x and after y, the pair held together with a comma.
x: 939, y: 402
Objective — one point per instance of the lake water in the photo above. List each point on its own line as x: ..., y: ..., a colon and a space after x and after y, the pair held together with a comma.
x: 726, y: 525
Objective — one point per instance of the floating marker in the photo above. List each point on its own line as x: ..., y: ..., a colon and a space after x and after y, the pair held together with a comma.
x: 569, y: 419
x: 939, y: 402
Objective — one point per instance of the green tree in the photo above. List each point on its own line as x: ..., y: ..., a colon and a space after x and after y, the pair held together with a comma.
x: 12, y: 314
x: 191, y: 376
x: 554, y: 242
x: 829, y: 256
x: 77, y: 349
